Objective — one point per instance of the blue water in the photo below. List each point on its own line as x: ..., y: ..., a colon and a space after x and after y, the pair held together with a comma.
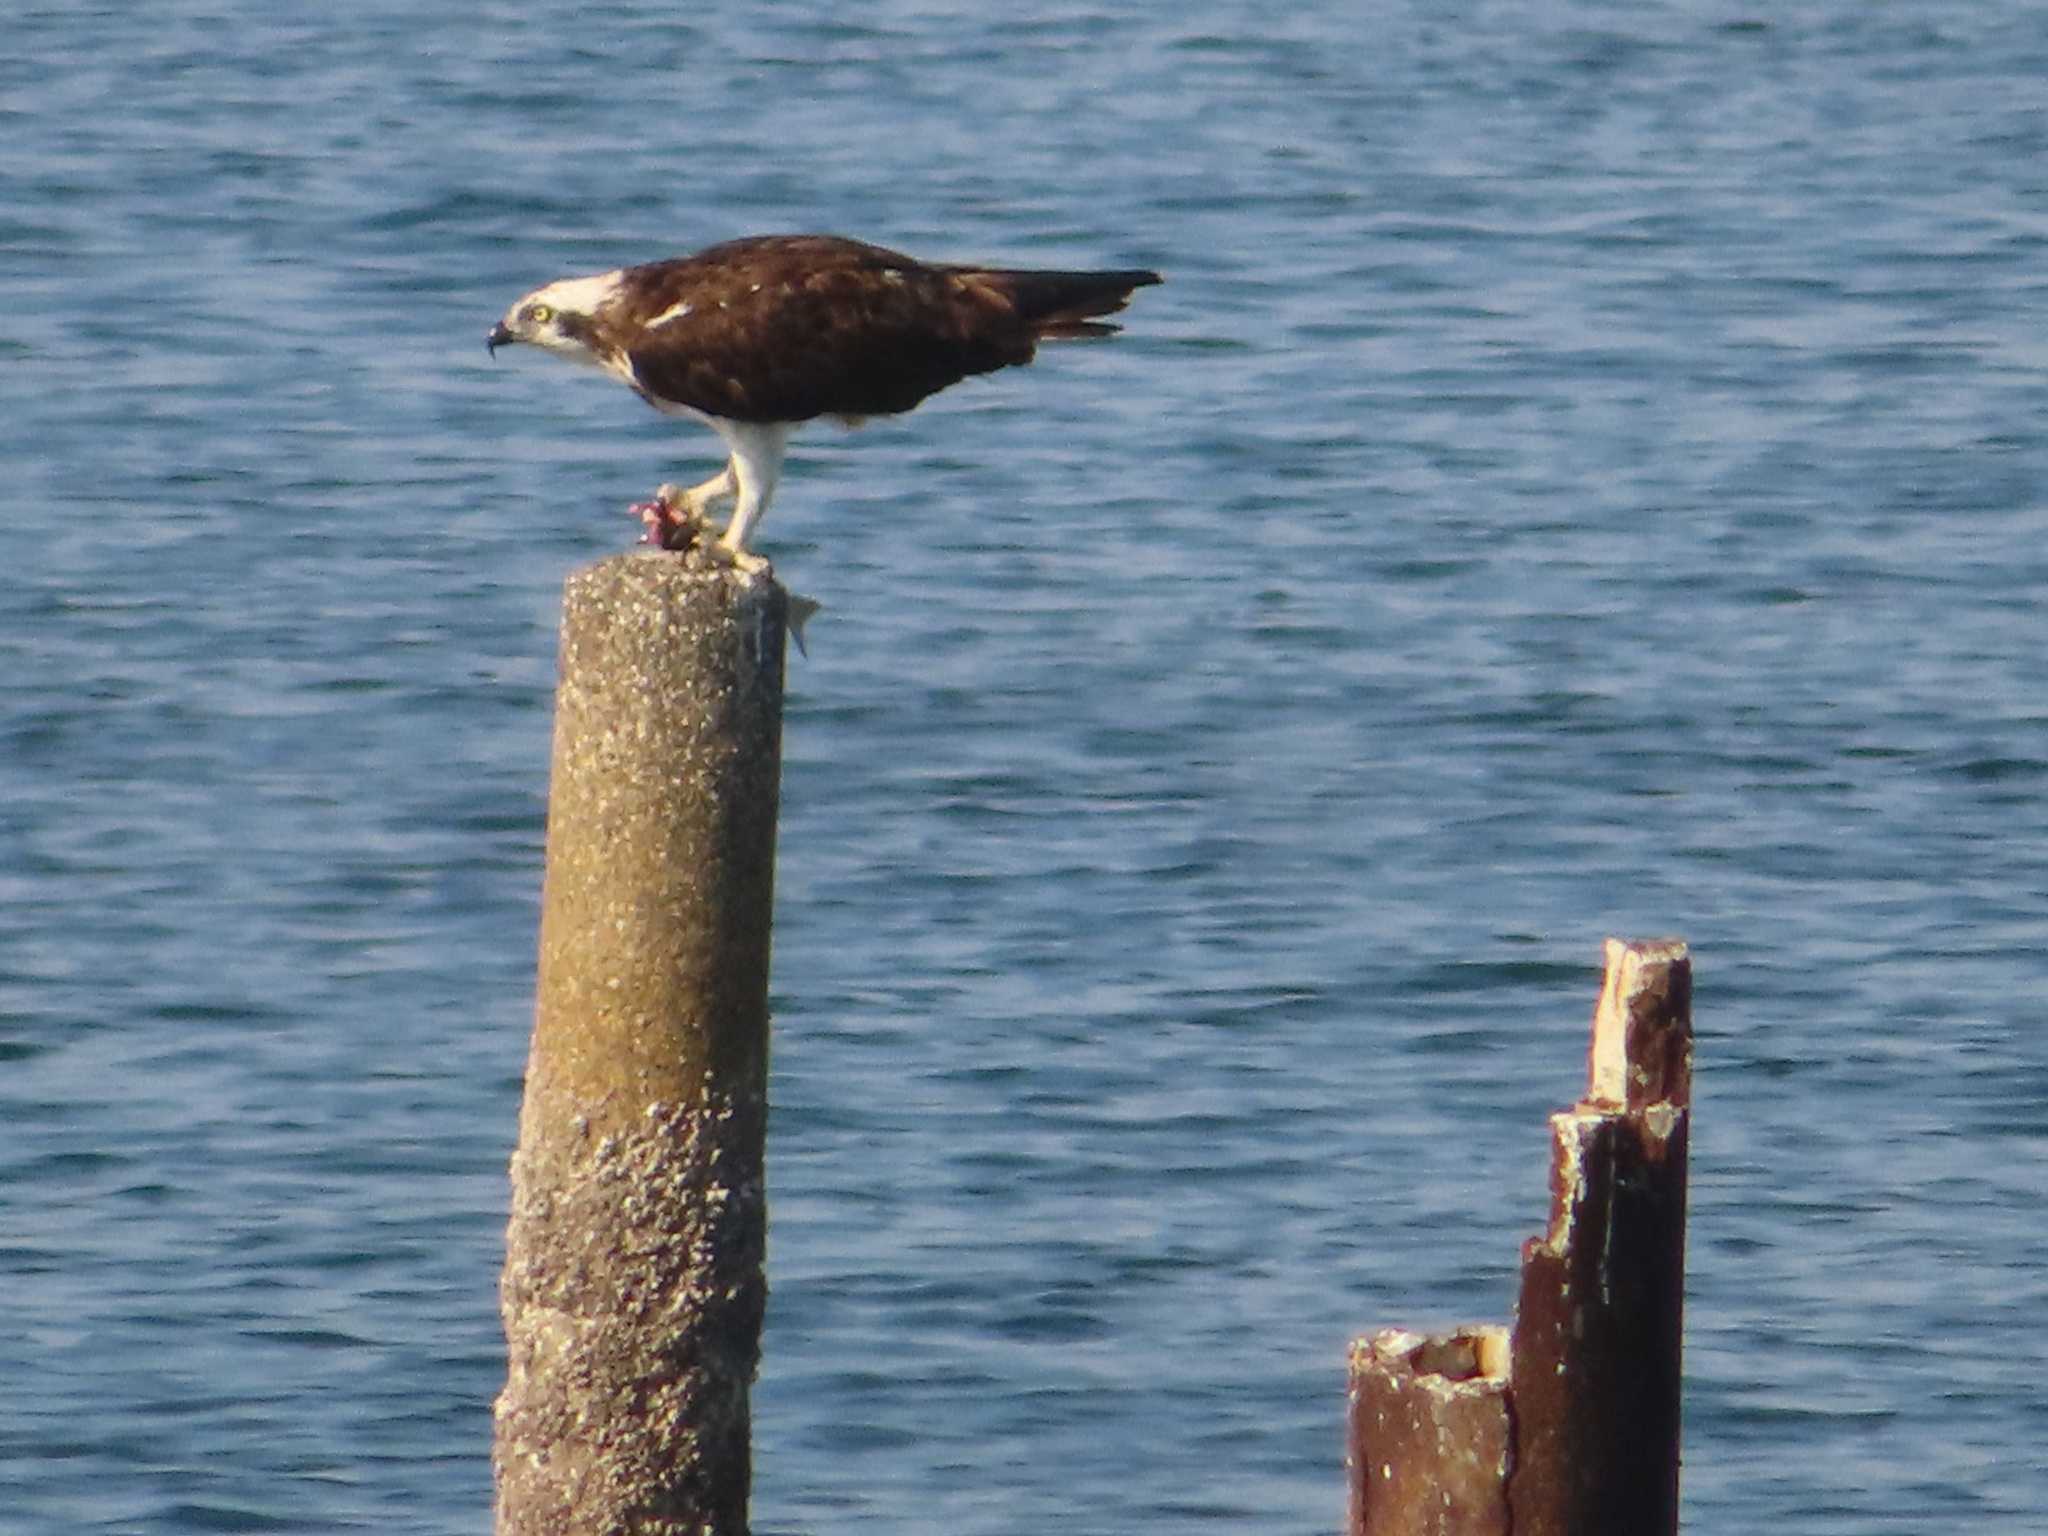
x: 1584, y: 474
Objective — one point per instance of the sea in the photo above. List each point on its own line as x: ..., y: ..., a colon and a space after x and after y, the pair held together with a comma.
x: 1585, y: 473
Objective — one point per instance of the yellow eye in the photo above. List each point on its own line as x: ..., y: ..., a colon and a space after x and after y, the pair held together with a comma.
x: 540, y: 314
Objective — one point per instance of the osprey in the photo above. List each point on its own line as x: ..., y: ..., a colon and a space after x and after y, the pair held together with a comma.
x: 753, y: 336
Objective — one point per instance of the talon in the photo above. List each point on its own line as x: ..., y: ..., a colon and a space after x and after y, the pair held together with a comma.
x: 745, y: 561
x: 672, y: 520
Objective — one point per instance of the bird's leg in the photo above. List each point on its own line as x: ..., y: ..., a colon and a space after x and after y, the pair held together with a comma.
x: 756, y: 465
x: 733, y: 540
x: 698, y: 497
x: 753, y: 501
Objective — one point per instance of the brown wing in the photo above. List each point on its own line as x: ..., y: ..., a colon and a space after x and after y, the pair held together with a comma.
x: 788, y: 327
x: 784, y: 328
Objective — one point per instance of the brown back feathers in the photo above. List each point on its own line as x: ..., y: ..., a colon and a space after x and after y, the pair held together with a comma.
x: 788, y: 327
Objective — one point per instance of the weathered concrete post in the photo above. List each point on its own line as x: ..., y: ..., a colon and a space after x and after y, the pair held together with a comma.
x: 1569, y: 1424
x: 633, y: 1288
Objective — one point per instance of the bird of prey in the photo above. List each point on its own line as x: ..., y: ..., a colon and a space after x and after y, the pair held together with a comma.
x: 754, y: 336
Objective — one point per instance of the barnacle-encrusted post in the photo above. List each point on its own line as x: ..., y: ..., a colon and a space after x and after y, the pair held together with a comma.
x: 633, y: 1287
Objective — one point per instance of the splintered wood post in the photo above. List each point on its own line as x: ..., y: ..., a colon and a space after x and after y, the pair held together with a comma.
x: 1568, y: 1425
x: 1594, y: 1378
x: 633, y: 1289
x: 1432, y: 1413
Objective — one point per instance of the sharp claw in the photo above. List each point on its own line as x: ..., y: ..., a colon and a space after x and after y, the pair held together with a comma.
x: 671, y: 520
x: 675, y: 520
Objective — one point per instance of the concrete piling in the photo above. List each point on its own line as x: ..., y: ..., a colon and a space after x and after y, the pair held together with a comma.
x: 633, y: 1286
x: 1569, y: 1424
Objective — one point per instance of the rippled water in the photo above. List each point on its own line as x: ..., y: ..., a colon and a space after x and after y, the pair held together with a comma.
x: 1583, y: 474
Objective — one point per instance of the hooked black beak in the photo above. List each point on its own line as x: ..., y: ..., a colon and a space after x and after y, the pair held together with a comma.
x: 499, y: 337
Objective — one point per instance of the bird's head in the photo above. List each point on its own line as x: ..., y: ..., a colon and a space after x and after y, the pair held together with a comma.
x: 562, y: 317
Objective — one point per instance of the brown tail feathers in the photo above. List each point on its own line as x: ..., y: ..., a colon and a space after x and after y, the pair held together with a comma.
x: 1064, y: 305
